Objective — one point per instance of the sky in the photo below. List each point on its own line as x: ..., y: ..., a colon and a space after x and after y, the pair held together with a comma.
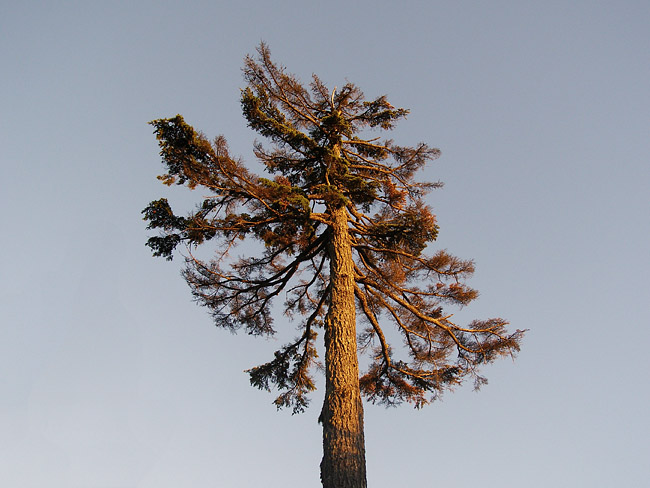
x: 111, y: 377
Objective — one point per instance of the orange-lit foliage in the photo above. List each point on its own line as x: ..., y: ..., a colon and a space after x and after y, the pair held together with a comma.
x: 320, y: 159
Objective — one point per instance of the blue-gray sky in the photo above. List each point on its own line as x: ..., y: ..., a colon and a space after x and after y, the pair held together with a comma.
x: 112, y: 377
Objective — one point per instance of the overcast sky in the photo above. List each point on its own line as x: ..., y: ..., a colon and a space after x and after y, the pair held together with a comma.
x: 112, y: 377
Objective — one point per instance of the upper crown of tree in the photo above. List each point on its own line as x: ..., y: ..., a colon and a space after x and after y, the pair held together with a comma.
x: 320, y: 163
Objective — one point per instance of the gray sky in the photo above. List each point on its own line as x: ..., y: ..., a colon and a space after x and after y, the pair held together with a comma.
x: 112, y: 377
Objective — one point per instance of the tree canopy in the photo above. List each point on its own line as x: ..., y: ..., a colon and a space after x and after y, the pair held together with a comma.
x: 325, y: 153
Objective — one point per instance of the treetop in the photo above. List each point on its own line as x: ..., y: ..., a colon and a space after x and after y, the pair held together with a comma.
x: 321, y: 162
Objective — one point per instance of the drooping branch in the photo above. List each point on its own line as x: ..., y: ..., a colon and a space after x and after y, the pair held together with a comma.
x: 245, y: 297
x: 289, y: 370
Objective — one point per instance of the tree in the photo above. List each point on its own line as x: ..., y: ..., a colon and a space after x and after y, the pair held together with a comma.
x: 345, y: 231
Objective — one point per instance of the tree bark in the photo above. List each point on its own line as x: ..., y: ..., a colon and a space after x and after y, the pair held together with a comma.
x: 344, y: 460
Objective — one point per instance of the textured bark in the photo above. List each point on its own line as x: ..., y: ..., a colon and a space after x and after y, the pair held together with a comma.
x: 344, y: 463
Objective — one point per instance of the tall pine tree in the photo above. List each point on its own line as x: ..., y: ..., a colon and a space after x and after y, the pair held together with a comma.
x: 345, y: 230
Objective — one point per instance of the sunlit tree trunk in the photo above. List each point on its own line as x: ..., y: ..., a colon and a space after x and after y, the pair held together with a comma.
x: 344, y: 464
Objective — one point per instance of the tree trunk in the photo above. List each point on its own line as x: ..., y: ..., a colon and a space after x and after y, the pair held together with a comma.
x: 344, y: 459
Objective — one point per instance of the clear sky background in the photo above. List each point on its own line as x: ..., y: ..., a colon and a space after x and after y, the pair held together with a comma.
x: 110, y: 376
